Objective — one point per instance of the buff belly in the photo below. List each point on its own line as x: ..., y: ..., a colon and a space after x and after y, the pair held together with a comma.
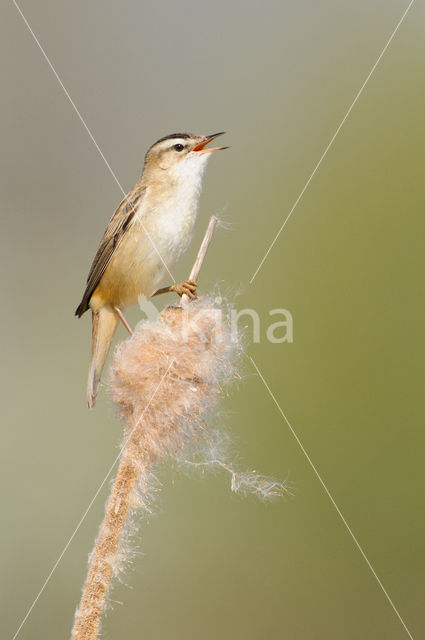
x: 137, y: 267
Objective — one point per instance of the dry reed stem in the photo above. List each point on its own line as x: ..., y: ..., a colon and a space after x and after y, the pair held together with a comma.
x: 165, y: 381
x: 136, y: 457
x: 194, y: 274
x: 88, y: 616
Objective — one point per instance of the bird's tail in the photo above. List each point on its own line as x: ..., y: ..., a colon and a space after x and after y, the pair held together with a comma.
x: 105, y: 322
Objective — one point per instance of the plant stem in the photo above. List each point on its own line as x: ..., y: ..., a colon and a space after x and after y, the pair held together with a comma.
x: 136, y: 457
x: 194, y: 274
x: 96, y: 587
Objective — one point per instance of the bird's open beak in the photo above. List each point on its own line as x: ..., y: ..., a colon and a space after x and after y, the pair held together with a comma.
x: 200, y: 147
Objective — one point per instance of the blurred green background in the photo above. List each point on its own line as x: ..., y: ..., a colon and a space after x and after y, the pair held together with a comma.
x: 278, y: 77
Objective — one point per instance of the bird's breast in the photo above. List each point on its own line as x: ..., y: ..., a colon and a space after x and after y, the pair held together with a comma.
x: 158, y: 236
x: 169, y: 219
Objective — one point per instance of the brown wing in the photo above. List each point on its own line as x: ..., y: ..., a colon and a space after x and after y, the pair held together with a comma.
x: 115, y: 231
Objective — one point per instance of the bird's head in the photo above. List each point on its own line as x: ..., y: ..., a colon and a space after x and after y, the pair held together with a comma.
x: 180, y: 156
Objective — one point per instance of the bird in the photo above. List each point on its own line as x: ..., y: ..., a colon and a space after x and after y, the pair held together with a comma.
x: 148, y: 233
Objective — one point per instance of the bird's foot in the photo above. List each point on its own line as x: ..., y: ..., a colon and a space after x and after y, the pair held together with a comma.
x: 187, y: 288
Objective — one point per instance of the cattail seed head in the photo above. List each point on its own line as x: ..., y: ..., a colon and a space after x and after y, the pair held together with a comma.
x: 169, y: 373
x: 165, y: 381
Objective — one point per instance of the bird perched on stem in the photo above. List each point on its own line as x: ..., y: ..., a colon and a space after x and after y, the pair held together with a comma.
x: 145, y: 237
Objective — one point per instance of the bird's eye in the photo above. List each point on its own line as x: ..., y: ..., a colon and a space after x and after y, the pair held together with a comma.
x: 178, y: 147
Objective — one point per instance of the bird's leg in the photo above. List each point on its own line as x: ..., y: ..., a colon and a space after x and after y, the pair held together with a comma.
x: 123, y: 320
x: 187, y: 288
